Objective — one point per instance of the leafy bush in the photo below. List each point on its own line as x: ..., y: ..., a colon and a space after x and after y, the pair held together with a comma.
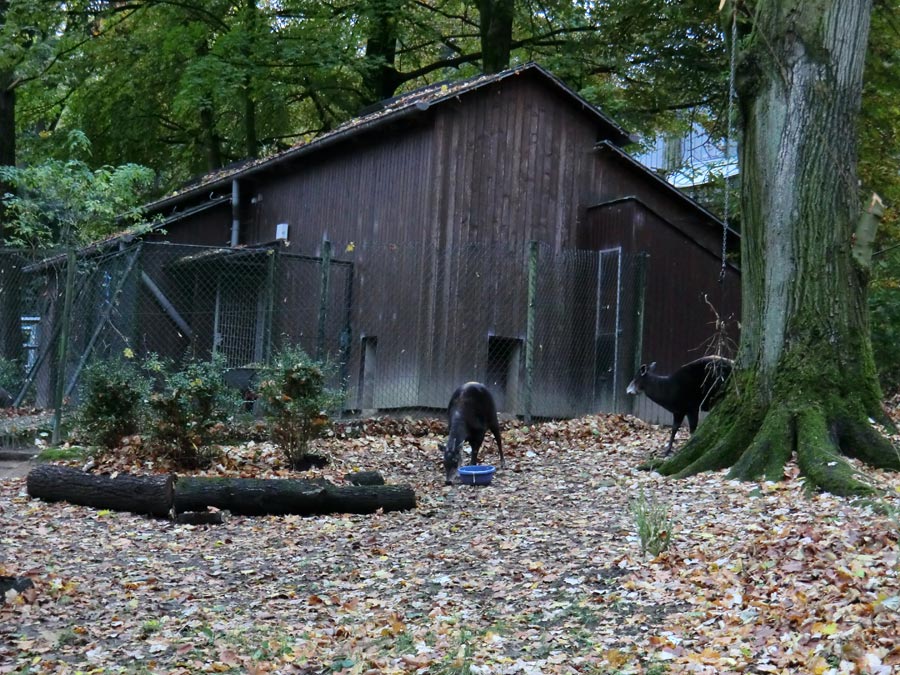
x: 112, y: 402
x: 10, y: 375
x: 296, y: 401
x: 884, y: 315
x: 189, y: 410
x: 654, y: 526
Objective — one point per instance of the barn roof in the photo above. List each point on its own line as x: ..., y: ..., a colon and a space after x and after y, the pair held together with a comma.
x: 389, y: 111
x: 733, y: 236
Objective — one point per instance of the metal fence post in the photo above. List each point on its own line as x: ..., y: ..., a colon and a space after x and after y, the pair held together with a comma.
x: 60, y: 383
x: 271, y: 265
x: 640, y: 292
x: 529, y: 328
x: 346, y: 338
x: 323, y: 299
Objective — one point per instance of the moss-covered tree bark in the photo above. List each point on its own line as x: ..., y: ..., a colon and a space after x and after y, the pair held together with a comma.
x: 806, y: 384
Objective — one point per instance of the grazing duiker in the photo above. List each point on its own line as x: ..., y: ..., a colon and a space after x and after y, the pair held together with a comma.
x: 469, y: 416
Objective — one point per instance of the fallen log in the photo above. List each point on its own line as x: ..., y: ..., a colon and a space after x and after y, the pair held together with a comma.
x: 246, y: 496
x: 255, y: 497
x: 159, y: 495
x: 368, y: 498
x: 149, y: 495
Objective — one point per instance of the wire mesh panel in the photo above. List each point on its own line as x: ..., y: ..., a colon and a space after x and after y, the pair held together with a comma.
x: 427, y: 319
x: 404, y: 324
x: 101, y: 312
x: 608, y: 329
x: 391, y: 352
x: 24, y: 304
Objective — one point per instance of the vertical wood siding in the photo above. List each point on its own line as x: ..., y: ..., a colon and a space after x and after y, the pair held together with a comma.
x: 435, y: 214
x: 678, y: 324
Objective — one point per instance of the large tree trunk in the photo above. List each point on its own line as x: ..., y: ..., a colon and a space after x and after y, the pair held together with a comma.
x: 806, y: 381
x: 10, y: 273
x: 7, y: 126
x: 496, y: 28
x: 212, y: 145
x: 380, y: 76
x: 7, y: 117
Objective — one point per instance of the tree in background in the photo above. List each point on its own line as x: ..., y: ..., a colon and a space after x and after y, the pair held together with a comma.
x: 806, y: 380
x: 189, y: 87
x: 40, y: 42
x: 879, y: 161
x: 65, y: 202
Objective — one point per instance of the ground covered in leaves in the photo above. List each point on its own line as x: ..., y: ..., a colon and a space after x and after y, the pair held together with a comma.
x: 541, y: 572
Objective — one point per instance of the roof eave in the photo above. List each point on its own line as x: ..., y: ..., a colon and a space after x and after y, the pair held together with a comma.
x: 624, y: 156
x: 617, y: 134
x: 286, y: 156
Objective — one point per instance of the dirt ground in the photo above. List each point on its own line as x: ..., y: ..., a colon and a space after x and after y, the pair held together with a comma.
x: 542, y: 572
x: 15, y: 468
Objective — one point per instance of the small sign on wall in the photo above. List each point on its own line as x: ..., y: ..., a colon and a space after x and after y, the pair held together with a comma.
x: 281, y: 231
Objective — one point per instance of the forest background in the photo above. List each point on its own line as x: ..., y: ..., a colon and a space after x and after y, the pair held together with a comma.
x: 106, y: 105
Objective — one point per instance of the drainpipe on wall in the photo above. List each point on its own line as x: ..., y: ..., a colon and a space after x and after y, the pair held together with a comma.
x: 235, y: 212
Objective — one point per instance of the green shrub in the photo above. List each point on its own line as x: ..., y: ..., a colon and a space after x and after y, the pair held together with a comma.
x: 654, y: 527
x: 296, y: 400
x: 884, y: 318
x: 11, y: 376
x: 189, y: 410
x: 113, y: 393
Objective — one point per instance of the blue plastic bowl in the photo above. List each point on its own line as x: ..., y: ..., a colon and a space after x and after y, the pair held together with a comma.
x: 477, y: 474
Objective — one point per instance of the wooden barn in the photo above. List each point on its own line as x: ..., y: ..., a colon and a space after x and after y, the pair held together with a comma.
x: 491, y: 229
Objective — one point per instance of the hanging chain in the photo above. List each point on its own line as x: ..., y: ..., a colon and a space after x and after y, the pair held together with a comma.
x: 728, y: 135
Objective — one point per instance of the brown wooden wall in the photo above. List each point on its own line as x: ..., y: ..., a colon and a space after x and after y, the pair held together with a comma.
x: 498, y: 167
x: 616, y: 177
x: 509, y: 166
x: 435, y: 214
x: 211, y: 227
x: 678, y: 325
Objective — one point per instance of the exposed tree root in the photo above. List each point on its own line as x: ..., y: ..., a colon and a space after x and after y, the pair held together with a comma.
x: 858, y: 439
x: 757, y: 442
x: 820, y: 459
x: 717, y: 444
x: 769, y: 450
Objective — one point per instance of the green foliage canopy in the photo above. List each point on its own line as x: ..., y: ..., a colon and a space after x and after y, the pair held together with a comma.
x: 67, y: 202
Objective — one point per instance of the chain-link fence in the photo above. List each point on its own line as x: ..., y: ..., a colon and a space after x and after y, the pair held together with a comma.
x: 552, y: 333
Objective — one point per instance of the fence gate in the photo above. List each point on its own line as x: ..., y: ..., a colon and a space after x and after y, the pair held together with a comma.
x: 239, y: 320
x: 608, y: 330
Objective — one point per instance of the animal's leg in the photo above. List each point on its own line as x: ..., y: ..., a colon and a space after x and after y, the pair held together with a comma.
x: 476, y: 445
x: 495, y: 429
x: 693, y: 416
x: 677, y: 419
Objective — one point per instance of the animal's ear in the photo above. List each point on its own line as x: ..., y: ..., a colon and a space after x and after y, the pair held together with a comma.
x: 651, y: 367
x: 643, y: 370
